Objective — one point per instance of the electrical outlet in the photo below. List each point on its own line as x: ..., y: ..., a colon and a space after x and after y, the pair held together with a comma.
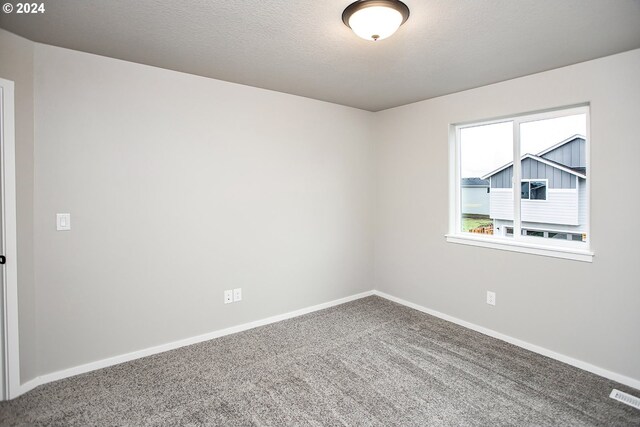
x: 237, y: 294
x: 491, y: 298
x: 228, y: 297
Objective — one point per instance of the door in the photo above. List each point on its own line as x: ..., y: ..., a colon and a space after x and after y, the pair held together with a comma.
x: 3, y: 385
x: 3, y: 365
x: 9, y: 357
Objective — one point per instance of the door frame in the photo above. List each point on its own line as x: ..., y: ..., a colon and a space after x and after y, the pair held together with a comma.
x: 8, y: 245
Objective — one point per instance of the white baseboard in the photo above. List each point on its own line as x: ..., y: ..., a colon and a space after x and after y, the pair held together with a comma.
x: 27, y: 386
x: 622, y: 379
x: 110, y: 361
x: 99, y: 364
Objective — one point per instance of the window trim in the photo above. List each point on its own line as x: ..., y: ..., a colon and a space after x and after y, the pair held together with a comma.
x: 580, y: 251
x: 506, y: 244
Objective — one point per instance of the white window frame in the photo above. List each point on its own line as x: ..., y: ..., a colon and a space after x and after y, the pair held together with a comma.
x: 580, y: 251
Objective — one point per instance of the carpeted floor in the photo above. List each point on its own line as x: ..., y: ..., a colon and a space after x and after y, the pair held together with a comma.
x: 368, y: 362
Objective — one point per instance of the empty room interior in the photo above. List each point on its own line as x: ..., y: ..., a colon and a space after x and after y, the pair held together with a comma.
x: 271, y: 212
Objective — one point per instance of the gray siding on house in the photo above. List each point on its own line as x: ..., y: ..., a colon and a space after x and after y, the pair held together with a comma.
x: 503, y: 178
x: 533, y: 169
x: 571, y: 154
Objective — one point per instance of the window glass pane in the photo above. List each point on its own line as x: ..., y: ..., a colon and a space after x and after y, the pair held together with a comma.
x: 553, y: 164
x: 486, y: 188
x: 524, y: 190
x: 562, y: 236
x: 538, y: 190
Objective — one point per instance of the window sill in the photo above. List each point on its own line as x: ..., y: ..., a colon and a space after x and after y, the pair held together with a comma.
x: 505, y: 245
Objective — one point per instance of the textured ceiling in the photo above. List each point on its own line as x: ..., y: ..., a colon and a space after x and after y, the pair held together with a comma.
x: 302, y: 47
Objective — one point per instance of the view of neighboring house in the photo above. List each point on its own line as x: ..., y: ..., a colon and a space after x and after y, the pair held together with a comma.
x: 553, y: 192
x: 475, y: 196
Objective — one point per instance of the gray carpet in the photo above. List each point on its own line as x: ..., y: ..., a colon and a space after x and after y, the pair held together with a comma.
x: 368, y: 362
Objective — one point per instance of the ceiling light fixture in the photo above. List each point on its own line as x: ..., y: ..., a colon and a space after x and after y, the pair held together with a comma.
x: 375, y: 19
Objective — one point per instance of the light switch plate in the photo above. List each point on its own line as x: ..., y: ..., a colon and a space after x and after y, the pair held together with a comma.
x: 63, y: 221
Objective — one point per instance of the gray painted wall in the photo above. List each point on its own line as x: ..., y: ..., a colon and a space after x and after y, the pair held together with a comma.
x: 592, y: 311
x: 180, y: 187
x: 16, y: 64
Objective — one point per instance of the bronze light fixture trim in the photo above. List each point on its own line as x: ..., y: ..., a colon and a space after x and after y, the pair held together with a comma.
x: 375, y: 19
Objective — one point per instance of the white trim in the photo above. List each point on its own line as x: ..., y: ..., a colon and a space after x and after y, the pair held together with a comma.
x: 525, y: 117
x: 110, y: 361
x: 9, y: 242
x: 587, y: 153
x: 553, y: 113
x: 516, y: 178
x: 455, y: 193
x: 622, y: 379
x: 522, y: 246
x: 29, y: 385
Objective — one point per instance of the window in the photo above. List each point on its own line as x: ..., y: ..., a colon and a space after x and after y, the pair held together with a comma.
x: 546, y: 154
x: 533, y: 190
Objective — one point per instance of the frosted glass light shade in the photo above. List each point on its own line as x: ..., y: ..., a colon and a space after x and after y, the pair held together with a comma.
x: 375, y: 19
x: 375, y: 23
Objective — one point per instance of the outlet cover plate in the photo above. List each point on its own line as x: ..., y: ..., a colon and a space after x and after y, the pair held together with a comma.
x: 228, y: 296
x: 237, y: 294
x: 491, y: 298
